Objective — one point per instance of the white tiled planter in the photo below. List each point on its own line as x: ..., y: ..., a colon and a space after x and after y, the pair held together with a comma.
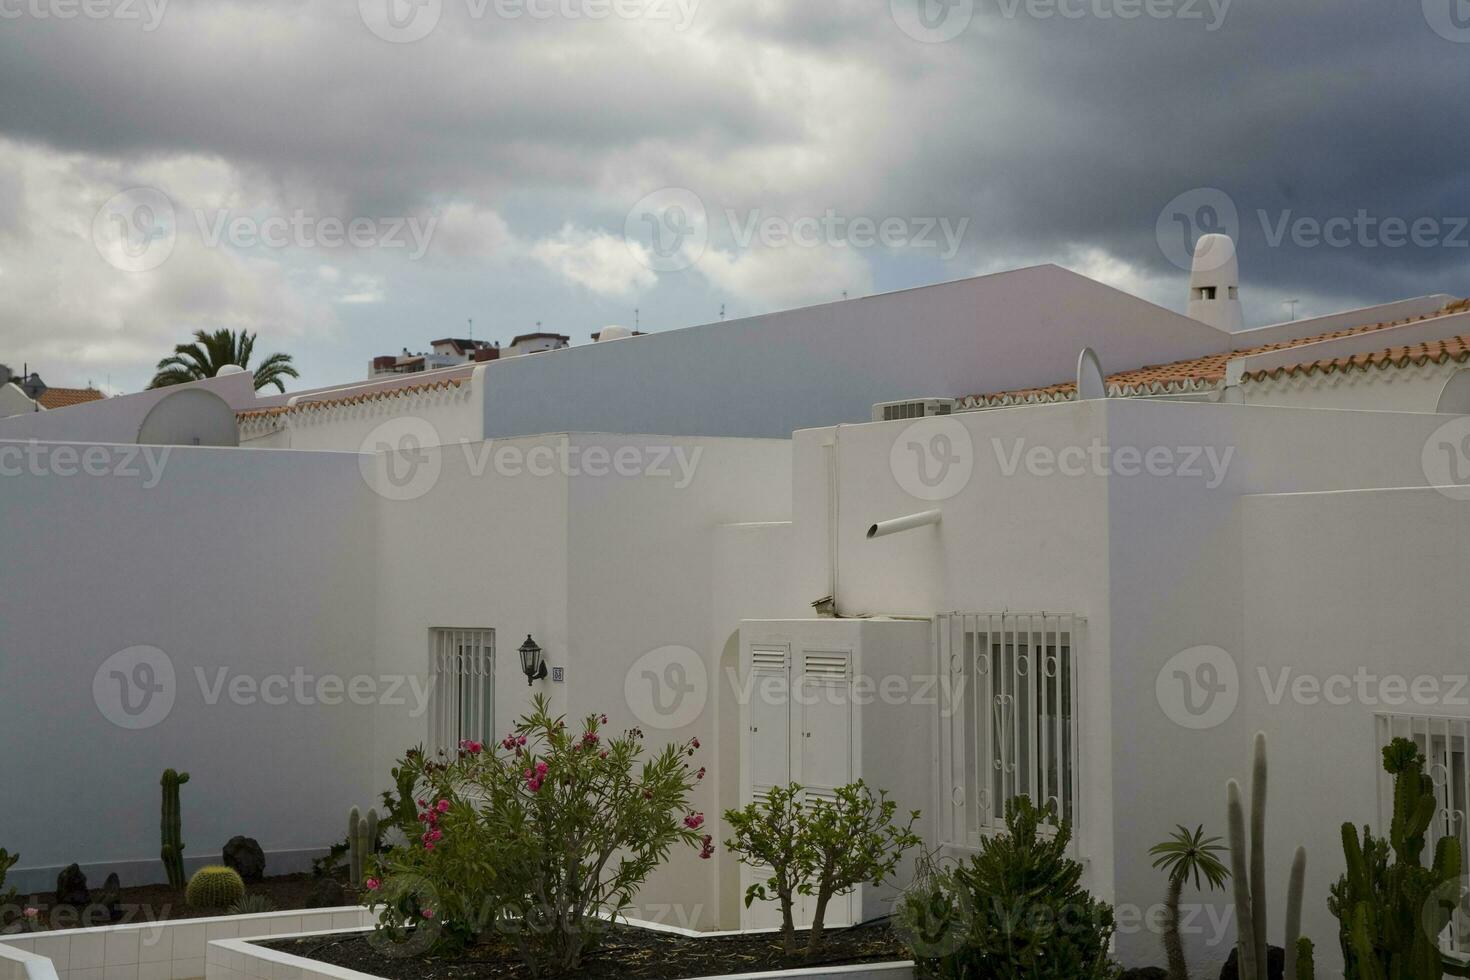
x: 172, y: 949
x: 240, y: 959
x: 17, y: 964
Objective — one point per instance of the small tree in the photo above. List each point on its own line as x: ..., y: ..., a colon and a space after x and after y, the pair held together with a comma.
x: 1186, y: 854
x: 837, y: 845
x: 768, y: 837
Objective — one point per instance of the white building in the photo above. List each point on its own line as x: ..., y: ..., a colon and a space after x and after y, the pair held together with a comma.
x: 1266, y: 529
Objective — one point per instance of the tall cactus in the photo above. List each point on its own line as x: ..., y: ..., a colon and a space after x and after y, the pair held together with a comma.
x: 171, y: 828
x: 1392, y: 912
x: 1248, y: 881
x: 362, y: 842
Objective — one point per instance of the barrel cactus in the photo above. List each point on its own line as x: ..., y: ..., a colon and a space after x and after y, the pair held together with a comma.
x: 215, y: 887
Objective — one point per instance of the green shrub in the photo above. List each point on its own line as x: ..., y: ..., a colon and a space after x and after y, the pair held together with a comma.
x: 818, y: 847
x: 214, y: 887
x: 1015, y: 911
x: 535, y: 838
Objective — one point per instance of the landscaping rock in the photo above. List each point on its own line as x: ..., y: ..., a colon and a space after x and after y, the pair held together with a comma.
x: 71, y: 887
x: 245, y: 856
x: 326, y: 893
x: 1145, y: 973
x: 109, y: 897
x: 1275, y: 965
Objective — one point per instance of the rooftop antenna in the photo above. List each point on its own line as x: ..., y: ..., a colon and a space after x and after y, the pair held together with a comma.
x: 722, y: 311
x: 1292, y: 303
x: 472, y: 328
x: 635, y: 318
x: 844, y: 294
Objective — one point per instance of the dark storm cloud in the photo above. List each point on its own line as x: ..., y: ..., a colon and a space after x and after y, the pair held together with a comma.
x: 1056, y: 127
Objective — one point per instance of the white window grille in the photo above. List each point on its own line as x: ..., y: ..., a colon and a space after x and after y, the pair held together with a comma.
x: 1009, y: 723
x: 462, y: 663
x: 1445, y: 743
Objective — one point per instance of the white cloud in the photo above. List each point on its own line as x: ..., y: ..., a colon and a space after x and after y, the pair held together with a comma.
x: 779, y: 278
x: 601, y: 262
x: 73, y: 316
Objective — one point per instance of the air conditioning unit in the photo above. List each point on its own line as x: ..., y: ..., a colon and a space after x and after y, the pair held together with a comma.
x: 912, y: 408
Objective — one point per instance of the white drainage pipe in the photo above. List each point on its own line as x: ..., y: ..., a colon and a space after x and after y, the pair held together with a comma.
x: 908, y: 523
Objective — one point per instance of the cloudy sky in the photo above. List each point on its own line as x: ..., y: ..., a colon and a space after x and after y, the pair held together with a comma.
x: 350, y: 177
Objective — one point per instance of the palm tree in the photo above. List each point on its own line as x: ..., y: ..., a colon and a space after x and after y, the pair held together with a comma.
x: 212, y: 351
x: 1184, y: 855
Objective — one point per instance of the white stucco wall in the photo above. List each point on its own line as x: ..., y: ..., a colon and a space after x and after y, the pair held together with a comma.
x: 600, y: 569
x: 1413, y: 388
x: 254, y: 564
x: 1334, y: 584
x: 770, y: 375
x: 442, y: 416
x: 117, y: 420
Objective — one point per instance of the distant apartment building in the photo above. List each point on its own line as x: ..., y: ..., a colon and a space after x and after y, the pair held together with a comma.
x: 453, y: 351
x: 444, y: 353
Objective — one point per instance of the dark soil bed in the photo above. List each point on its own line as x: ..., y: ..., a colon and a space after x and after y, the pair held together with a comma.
x: 625, y: 953
x: 150, y: 903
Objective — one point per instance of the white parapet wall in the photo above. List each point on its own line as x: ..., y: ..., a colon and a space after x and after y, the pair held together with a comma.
x: 18, y: 964
x: 172, y: 949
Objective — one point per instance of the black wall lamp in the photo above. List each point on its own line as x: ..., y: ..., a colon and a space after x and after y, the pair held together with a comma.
x: 532, y: 663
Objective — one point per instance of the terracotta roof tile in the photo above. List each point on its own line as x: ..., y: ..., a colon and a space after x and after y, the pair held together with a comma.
x: 62, y: 397
x: 1430, y: 352
x: 1209, y: 370
x: 358, y: 399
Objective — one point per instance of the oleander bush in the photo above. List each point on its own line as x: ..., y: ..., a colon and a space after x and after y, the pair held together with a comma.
x: 535, y: 839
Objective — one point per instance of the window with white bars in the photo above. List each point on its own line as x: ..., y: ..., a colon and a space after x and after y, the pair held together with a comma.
x: 1012, y: 728
x: 1445, y: 743
x: 462, y: 664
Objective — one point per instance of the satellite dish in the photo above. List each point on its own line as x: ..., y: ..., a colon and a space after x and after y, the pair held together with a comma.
x: 1090, y: 383
x: 1454, y: 397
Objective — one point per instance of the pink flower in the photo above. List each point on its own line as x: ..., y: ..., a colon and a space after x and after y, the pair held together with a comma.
x: 372, y: 884
x: 442, y: 806
x: 427, y: 913
x: 428, y: 847
x: 32, y: 912
x: 694, y: 821
x: 700, y: 774
x: 707, y: 851
x: 695, y: 743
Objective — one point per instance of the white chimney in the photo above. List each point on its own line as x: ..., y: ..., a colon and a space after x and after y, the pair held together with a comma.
x: 1214, y: 284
